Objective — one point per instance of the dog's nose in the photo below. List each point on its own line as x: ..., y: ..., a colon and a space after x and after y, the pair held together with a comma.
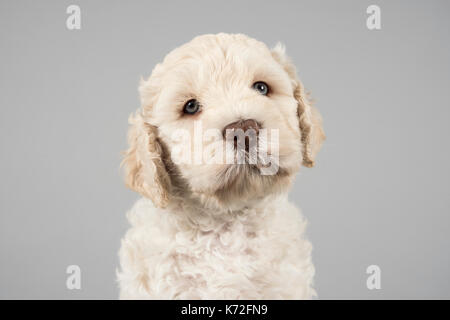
x: 250, y: 129
x: 244, y: 125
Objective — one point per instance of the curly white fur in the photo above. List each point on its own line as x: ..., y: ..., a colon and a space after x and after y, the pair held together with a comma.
x: 255, y: 253
x: 218, y: 231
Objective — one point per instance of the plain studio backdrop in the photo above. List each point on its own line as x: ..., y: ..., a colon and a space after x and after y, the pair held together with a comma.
x: 379, y: 194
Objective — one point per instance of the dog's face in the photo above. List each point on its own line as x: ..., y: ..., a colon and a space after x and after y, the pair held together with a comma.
x: 195, y: 105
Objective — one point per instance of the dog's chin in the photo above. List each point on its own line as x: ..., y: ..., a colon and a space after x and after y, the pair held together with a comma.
x: 243, y: 185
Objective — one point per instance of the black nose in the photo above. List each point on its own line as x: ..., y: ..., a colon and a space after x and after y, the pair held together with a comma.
x: 243, y: 125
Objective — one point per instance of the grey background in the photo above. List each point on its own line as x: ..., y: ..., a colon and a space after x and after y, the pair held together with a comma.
x: 379, y: 194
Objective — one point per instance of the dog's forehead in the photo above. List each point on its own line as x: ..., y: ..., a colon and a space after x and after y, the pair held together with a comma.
x: 219, y: 53
x: 213, y: 65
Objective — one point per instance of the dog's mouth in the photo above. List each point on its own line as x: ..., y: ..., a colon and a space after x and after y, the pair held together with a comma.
x: 251, y: 152
x: 247, y: 183
x: 253, y: 159
x: 245, y: 169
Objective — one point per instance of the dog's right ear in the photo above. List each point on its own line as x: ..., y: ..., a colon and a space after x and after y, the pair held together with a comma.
x: 145, y: 171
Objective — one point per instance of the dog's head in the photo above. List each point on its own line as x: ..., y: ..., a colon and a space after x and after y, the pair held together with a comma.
x: 205, y: 92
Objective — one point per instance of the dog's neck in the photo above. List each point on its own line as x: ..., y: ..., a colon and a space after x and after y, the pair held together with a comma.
x: 200, y: 208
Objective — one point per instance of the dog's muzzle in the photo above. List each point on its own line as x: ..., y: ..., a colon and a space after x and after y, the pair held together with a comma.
x: 244, y: 134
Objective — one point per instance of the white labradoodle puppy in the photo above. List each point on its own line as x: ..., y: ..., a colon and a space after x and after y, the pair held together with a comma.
x: 219, y: 229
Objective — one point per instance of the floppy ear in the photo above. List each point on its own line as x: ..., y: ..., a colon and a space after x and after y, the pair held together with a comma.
x: 145, y: 171
x: 310, y: 120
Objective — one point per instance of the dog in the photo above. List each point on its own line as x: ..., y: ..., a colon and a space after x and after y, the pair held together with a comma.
x: 217, y: 229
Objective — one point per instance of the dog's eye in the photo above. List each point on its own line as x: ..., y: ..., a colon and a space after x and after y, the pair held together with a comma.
x: 261, y: 87
x: 191, y: 107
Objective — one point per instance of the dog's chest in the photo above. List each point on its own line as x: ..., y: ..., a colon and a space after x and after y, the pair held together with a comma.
x: 259, y: 255
x: 246, y: 253
x: 224, y: 242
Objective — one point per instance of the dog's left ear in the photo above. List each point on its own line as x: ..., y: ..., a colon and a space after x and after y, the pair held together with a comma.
x: 310, y: 120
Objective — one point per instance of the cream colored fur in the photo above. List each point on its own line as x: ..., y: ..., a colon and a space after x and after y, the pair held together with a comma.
x: 218, y: 231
